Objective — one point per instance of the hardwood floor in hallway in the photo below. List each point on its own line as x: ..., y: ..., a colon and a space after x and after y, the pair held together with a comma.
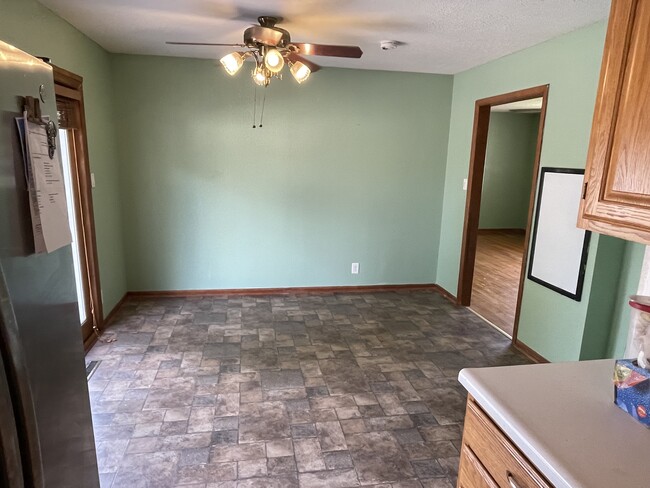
x: 496, y: 277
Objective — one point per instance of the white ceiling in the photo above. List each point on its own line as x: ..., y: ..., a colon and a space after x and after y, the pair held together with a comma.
x: 531, y: 105
x: 441, y: 36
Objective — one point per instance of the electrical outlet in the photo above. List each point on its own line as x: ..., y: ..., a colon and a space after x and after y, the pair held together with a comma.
x: 465, y: 184
x: 355, y: 268
x: 92, y: 180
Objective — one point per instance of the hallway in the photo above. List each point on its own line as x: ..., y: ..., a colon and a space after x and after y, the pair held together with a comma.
x: 496, y: 277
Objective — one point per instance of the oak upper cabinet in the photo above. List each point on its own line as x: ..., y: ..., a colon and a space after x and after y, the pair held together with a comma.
x: 616, y: 195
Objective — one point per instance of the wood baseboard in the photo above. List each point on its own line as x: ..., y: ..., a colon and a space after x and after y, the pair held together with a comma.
x: 92, y: 338
x: 528, y: 352
x: 502, y: 231
x: 111, y: 315
x: 288, y: 290
x: 449, y: 296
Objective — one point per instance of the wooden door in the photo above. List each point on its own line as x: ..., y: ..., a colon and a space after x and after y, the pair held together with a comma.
x: 616, y: 193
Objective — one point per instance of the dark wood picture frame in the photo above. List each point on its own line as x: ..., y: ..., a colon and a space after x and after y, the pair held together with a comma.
x: 577, y: 294
x: 482, y: 110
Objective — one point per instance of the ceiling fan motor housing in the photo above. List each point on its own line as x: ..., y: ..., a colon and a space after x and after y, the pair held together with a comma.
x: 266, y: 33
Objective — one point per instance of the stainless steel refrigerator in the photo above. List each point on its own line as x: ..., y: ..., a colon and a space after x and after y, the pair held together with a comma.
x: 46, y: 436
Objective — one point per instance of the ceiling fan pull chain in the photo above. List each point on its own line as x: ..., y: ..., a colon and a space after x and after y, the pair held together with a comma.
x: 263, y: 104
x: 254, y: 105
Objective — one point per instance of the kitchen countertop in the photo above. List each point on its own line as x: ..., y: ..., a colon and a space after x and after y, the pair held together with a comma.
x: 563, y: 418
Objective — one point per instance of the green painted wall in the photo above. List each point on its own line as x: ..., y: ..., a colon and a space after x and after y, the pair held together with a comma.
x: 31, y: 27
x: 630, y: 271
x: 603, y: 298
x: 347, y: 168
x: 509, y: 160
x: 551, y: 324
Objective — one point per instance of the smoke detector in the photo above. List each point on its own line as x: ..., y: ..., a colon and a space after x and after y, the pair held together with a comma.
x: 388, y: 45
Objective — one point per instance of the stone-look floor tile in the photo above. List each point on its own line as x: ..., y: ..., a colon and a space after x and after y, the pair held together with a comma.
x: 340, y: 478
x: 438, y: 483
x: 301, y: 431
x: 338, y: 460
x: 225, y: 423
x: 379, y: 458
x: 353, y: 426
x: 147, y: 429
x: 398, y: 422
x: 194, y: 386
x: 308, y: 455
x: 343, y: 376
x: 110, y: 454
x: 391, y: 404
x: 263, y: 421
x: 146, y: 470
x: 194, y: 456
x: 225, y: 437
x: 441, y: 433
x: 407, y: 484
x: 253, y: 468
x: 279, y: 448
x: 227, y: 405
x: 173, y: 428
x: 201, y: 419
x: 241, y: 452
x: 204, y: 473
x: 276, y: 380
x: 428, y: 468
x: 289, y: 481
x: 330, y: 436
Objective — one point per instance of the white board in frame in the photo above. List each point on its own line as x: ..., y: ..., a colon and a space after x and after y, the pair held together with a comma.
x: 558, y: 256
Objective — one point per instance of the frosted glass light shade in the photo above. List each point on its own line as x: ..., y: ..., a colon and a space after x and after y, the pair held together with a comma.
x: 232, y: 62
x: 261, y: 76
x: 300, y: 71
x: 273, y: 60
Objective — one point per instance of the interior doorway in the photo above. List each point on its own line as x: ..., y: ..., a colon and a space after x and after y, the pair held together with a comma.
x: 504, y: 166
x: 77, y: 179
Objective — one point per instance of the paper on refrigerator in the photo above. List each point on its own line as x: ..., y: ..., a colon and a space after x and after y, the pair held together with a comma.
x: 46, y: 191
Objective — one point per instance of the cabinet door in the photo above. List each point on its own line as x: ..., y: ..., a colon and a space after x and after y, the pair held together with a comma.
x: 616, y: 196
x: 471, y: 473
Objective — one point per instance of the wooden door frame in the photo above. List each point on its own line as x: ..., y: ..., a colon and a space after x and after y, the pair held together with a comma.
x: 482, y: 110
x: 70, y: 86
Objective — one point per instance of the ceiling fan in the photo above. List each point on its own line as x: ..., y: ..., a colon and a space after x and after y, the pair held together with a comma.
x: 272, y: 48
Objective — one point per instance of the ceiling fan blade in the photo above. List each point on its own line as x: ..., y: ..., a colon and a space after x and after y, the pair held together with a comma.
x: 294, y: 58
x: 203, y: 44
x: 307, y: 49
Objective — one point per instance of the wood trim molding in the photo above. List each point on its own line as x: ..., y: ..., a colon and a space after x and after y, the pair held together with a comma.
x: 108, y: 320
x: 475, y: 186
x: 501, y: 231
x: 69, y: 86
x: 440, y: 290
x: 528, y: 352
x: 289, y: 290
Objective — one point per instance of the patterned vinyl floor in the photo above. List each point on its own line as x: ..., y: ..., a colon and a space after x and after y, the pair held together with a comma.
x: 310, y: 391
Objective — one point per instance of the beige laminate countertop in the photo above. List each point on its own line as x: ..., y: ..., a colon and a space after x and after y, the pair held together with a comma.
x: 563, y: 418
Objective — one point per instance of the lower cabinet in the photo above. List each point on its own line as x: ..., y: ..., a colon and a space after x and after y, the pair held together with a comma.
x: 489, y: 459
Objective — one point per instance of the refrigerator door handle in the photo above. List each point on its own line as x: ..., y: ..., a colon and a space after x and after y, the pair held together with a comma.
x: 17, y: 380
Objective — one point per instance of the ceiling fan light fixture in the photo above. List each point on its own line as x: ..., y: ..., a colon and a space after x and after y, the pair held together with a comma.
x: 300, y: 71
x: 261, y: 76
x: 233, y: 62
x: 273, y: 61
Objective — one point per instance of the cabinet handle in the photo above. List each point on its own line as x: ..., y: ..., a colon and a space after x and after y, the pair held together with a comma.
x: 512, y: 482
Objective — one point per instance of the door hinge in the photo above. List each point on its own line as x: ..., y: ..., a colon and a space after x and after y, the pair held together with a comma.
x: 584, y: 190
